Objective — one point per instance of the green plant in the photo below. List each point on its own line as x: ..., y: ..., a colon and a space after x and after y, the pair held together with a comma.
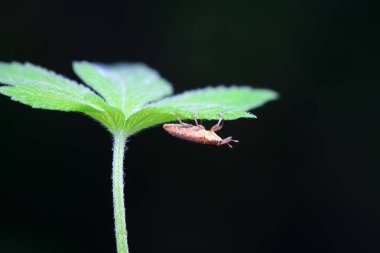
x: 125, y: 99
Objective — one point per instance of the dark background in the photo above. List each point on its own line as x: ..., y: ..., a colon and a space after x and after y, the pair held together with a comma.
x: 305, y: 177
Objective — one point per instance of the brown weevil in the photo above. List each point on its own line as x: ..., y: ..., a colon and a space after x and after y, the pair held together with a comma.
x: 198, y: 133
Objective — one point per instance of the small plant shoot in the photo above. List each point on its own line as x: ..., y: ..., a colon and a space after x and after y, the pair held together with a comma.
x: 127, y: 98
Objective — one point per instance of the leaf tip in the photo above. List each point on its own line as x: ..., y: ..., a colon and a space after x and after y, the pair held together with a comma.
x: 273, y: 95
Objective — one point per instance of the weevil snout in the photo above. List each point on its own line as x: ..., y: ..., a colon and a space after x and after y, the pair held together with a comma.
x: 227, y: 141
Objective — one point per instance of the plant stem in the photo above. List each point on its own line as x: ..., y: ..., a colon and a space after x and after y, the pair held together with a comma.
x: 119, y: 141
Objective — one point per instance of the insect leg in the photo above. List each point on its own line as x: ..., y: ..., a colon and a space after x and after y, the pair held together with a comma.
x: 183, y: 124
x: 218, y: 126
x: 195, y: 119
x: 179, y: 120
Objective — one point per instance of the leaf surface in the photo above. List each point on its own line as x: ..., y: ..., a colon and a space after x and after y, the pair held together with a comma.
x: 234, y: 101
x: 126, y: 86
x: 41, y: 88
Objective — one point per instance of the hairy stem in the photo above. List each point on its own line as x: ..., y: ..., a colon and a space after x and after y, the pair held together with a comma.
x: 119, y: 141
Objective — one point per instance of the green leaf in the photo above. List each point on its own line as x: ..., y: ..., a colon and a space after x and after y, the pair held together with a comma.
x: 127, y: 92
x: 207, y: 103
x: 126, y: 86
x: 40, y: 88
x: 242, y: 98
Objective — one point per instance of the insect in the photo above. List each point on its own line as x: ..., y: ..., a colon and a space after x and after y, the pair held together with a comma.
x: 198, y: 133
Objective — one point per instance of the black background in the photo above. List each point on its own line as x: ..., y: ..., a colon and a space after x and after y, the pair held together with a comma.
x: 304, y: 178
